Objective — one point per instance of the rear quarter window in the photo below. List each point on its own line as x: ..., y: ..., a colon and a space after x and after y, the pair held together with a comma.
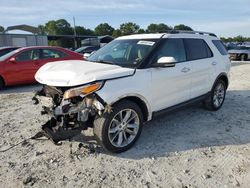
x: 220, y: 46
x: 197, y: 49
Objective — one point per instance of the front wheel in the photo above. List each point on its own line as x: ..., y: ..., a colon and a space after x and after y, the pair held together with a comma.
x: 217, y: 96
x: 1, y: 84
x: 119, y: 130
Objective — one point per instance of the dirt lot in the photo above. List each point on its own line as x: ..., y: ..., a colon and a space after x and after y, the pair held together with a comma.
x: 189, y: 148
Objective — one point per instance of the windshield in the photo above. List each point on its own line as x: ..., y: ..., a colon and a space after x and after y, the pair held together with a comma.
x: 80, y: 49
x: 6, y: 56
x: 127, y: 53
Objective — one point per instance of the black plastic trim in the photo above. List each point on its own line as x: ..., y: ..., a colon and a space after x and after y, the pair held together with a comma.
x: 181, y: 105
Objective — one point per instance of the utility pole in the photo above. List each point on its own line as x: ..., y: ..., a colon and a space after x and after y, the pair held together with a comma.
x: 75, y: 42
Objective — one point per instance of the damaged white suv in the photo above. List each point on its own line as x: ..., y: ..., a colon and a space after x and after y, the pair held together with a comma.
x: 131, y: 80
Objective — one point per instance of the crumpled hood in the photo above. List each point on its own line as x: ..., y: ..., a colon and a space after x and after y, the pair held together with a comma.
x: 76, y: 72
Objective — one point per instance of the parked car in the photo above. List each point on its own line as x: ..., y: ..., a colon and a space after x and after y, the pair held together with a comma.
x: 87, y: 49
x: 240, y: 53
x: 131, y: 80
x: 7, y: 49
x: 20, y: 66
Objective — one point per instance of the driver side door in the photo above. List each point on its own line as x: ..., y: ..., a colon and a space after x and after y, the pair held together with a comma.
x: 170, y: 85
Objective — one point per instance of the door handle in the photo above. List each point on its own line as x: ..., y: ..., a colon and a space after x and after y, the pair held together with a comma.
x: 214, y: 63
x: 185, y: 69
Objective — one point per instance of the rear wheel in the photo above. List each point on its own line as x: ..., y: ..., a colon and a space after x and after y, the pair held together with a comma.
x: 119, y: 130
x: 217, y: 96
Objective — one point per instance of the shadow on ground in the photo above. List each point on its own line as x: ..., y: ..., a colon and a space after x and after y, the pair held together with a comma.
x: 192, y: 128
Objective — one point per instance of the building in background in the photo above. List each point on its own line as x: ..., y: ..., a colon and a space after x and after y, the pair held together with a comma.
x: 33, y: 38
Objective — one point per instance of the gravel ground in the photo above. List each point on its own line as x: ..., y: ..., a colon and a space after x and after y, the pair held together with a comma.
x: 188, y: 148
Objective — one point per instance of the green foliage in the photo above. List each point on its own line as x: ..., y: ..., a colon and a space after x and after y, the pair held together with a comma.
x: 58, y: 27
x: 183, y: 27
x: 83, y: 31
x: 141, y: 31
x: 156, y: 28
x: 129, y: 28
x: 62, y: 27
x: 117, y: 33
x: 235, y: 39
x: 104, y: 29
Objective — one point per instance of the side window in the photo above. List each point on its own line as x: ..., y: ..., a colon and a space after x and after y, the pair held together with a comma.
x: 220, y: 46
x: 171, y: 48
x: 197, y: 49
x: 28, y: 55
x: 51, y: 53
x: 3, y: 52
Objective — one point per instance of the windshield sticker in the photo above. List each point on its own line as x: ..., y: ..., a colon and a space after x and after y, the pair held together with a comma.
x: 148, y: 43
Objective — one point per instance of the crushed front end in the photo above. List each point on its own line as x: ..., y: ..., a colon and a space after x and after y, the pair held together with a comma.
x: 72, y: 109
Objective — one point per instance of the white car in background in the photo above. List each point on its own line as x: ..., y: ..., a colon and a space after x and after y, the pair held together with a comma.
x: 240, y: 53
x: 130, y: 81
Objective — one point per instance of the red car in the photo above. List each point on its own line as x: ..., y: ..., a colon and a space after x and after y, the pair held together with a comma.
x: 7, y: 49
x: 20, y: 66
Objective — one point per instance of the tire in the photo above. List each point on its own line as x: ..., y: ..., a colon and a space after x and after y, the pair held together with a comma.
x: 217, y: 96
x: 1, y: 83
x: 117, y: 136
x: 243, y: 57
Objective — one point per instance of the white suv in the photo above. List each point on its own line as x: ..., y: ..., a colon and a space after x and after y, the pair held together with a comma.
x: 131, y: 80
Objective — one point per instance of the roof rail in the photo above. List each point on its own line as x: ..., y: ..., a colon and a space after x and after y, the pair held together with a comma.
x: 188, y: 32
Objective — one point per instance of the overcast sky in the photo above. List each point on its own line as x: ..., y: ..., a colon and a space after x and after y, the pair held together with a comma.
x: 223, y: 17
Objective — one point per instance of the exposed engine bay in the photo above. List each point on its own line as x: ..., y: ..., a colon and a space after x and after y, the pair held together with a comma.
x: 70, y: 112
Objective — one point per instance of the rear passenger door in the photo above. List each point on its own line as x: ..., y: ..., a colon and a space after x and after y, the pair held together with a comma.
x: 202, y: 65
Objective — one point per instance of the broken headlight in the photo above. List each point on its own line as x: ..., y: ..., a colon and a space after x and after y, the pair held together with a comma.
x: 83, y: 90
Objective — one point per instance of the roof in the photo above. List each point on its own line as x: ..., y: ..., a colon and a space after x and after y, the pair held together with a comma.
x: 37, y: 47
x: 176, y: 33
x: 143, y: 36
x: 27, y: 28
x: 9, y: 47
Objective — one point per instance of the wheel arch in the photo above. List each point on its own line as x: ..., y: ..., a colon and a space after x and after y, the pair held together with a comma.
x: 141, y: 102
x: 224, y: 77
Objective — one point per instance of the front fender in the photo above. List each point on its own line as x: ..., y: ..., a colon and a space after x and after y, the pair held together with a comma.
x: 135, y: 86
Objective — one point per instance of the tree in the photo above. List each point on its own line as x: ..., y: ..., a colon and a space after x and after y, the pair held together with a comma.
x: 1, y: 29
x: 183, y: 27
x: 104, y: 29
x: 129, y: 28
x: 239, y: 39
x: 83, y: 31
x: 42, y: 29
x: 141, y: 31
x: 117, y: 33
x: 58, y: 27
x: 156, y: 28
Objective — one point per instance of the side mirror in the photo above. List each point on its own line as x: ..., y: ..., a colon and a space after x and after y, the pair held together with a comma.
x: 12, y: 60
x: 165, y: 62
